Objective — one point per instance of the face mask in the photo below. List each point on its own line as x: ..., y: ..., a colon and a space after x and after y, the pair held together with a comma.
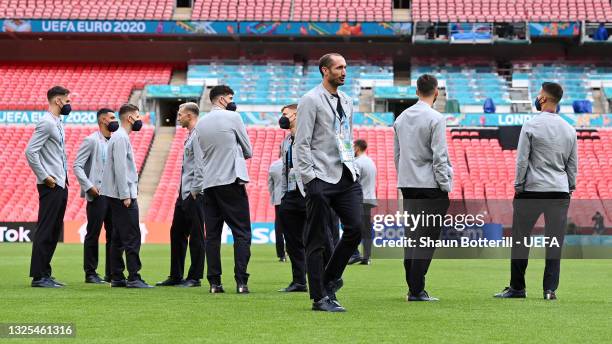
x: 113, y: 126
x: 231, y: 106
x: 65, y: 110
x: 137, y: 125
x: 537, y: 104
x: 284, y: 122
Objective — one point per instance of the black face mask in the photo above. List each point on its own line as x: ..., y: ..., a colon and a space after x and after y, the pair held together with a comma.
x: 537, y: 104
x: 137, y: 125
x: 65, y: 110
x: 284, y: 123
x: 113, y: 126
x: 231, y: 106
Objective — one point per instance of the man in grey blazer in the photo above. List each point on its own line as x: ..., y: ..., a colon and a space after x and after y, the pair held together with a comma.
x: 275, y: 174
x: 46, y: 155
x: 120, y: 186
x: 367, y: 178
x: 88, y: 168
x: 226, y: 146
x: 188, y: 219
x: 325, y: 162
x: 546, y: 170
x: 424, y: 175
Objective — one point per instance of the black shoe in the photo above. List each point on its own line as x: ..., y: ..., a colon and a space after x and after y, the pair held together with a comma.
x: 332, y: 288
x: 294, y: 288
x: 107, y: 279
x: 57, y: 282
x: 140, y: 284
x: 510, y: 293
x: 216, y: 288
x: 327, y: 305
x: 282, y: 259
x: 549, y: 295
x: 44, y: 283
x: 118, y: 283
x: 94, y: 279
x: 365, y: 262
x: 422, y: 296
x: 190, y: 283
x: 354, y: 260
x: 242, y: 289
x: 170, y: 282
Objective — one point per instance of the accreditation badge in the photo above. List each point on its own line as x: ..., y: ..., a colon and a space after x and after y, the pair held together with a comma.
x: 344, y: 141
x: 291, y: 182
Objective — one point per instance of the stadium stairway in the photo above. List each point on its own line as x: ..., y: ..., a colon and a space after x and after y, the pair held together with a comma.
x: 153, y: 168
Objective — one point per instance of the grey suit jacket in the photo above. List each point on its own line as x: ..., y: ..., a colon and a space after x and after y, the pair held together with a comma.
x: 275, y: 180
x: 89, y: 163
x: 192, y: 179
x: 120, y: 177
x: 285, y: 147
x: 225, y: 145
x: 46, y: 153
x: 546, y: 159
x: 367, y: 178
x: 420, y: 149
x: 317, y: 154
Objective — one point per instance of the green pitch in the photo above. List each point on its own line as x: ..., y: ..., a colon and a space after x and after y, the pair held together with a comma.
x: 373, y: 295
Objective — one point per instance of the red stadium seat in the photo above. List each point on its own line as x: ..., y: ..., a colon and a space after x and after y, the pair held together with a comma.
x: 92, y: 85
x: 18, y: 200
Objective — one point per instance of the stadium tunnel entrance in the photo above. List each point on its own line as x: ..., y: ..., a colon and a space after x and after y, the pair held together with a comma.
x: 397, y: 106
x: 167, y: 108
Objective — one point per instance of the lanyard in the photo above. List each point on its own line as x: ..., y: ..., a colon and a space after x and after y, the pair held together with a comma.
x: 61, y: 133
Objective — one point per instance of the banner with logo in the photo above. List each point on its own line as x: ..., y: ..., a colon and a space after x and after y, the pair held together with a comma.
x: 173, y: 91
x: 355, y: 29
x: 15, y: 232
x: 554, y: 29
x: 206, y: 28
x: 150, y: 232
x: 509, y: 119
x: 75, y: 117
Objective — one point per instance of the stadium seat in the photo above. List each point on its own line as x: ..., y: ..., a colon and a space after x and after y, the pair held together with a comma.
x: 511, y: 11
x: 18, y: 195
x: 87, y: 9
x: 92, y: 85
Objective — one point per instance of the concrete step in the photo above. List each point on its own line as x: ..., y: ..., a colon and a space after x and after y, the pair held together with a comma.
x: 179, y: 77
x: 154, y: 167
x: 401, y: 15
x: 182, y: 13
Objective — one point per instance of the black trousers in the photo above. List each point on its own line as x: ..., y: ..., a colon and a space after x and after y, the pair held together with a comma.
x: 229, y: 204
x: 98, y: 213
x: 51, y: 209
x: 366, y: 231
x: 417, y: 259
x: 279, y: 233
x: 528, y: 206
x: 187, y: 229
x: 292, y: 215
x: 345, y: 199
x: 125, y: 238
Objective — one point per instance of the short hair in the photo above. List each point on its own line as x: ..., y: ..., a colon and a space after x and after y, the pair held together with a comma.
x: 427, y: 85
x: 103, y: 111
x: 57, y: 91
x: 191, y: 107
x: 361, y: 144
x: 218, y: 91
x: 326, y: 60
x: 290, y: 106
x: 554, y: 90
x: 127, y: 108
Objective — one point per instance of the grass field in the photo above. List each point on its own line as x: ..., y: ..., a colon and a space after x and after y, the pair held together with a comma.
x: 373, y: 295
